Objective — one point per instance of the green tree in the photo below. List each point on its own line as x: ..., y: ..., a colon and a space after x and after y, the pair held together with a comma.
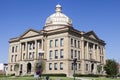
x: 39, y: 66
x: 111, y: 67
x: 99, y: 68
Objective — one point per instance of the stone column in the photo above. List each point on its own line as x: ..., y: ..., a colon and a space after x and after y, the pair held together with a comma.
x: 26, y: 49
x: 104, y: 55
x: 93, y: 51
x: 36, y: 50
x: 97, y: 56
x: 82, y: 56
x: 20, y: 50
x: 87, y: 51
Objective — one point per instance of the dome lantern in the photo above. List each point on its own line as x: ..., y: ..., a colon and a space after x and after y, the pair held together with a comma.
x: 57, y: 20
x: 58, y: 8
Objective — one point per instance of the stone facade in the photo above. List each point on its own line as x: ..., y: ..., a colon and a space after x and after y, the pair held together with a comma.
x: 58, y: 44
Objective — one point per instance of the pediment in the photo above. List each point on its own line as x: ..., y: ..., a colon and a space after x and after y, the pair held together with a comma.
x: 29, y: 33
x: 92, y: 35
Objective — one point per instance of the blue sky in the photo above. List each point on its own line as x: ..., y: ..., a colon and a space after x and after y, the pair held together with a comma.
x: 101, y: 16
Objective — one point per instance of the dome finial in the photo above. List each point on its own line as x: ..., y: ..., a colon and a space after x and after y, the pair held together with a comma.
x: 58, y: 8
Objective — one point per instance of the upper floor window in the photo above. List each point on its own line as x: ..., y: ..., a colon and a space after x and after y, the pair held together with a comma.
x: 23, y: 46
x: 50, y: 54
x: 61, y: 65
x: 78, y: 55
x: 79, y: 66
x: 13, y: 49
x: 86, y: 67
x: 16, y: 49
x: 15, y: 58
x: 56, y: 43
x: 78, y: 44
x: 72, y: 66
x: 51, y: 43
x: 75, y: 43
x: 41, y: 55
x: 62, y: 42
x: 39, y: 44
x: 10, y: 67
x: 23, y: 56
x: 12, y: 58
x: 31, y: 55
x: 56, y: 54
x: 61, y: 53
x: 31, y: 45
x: 75, y: 53
x: 50, y: 66
x: 71, y: 42
x: 71, y: 53
x: 55, y: 66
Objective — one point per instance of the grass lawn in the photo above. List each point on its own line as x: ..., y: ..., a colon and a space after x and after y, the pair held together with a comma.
x: 53, y: 78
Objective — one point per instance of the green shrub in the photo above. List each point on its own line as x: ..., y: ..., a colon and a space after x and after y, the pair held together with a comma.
x: 55, y: 75
x: 87, y: 75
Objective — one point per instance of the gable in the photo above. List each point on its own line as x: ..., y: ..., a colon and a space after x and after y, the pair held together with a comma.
x: 92, y: 35
x: 30, y: 33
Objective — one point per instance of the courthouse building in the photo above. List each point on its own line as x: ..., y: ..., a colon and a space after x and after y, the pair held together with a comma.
x: 58, y: 44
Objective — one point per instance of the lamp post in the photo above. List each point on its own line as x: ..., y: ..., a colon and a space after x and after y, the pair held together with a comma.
x: 74, y: 62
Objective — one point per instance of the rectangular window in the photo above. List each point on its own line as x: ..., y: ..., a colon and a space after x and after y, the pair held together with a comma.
x: 50, y: 54
x: 12, y: 58
x: 50, y: 66
x: 15, y: 57
x: 30, y: 55
x: 55, y: 66
x: 11, y: 68
x: 12, y: 49
x: 79, y: 66
x: 56, y: 43
x: 41, y: 55
x: 33, y: 55
x: 75, y: 43
x: 40, y: 44
x: 23, y: 56
x: 16, y: 49
x: 75, y: 54
x: 30, y: 46
x: 23, y: 46
x: 72, y: 66
x: 61, y: 42
x: 78, y: 44
x: 76, y: 66
x: 61, y: 65
x: 86, y: 67
x: 78, y: 55
x: 71, y: 42
x: 51, y: 43
x: 71, y: 53
x: 61, y: 53
x: 56, y: 54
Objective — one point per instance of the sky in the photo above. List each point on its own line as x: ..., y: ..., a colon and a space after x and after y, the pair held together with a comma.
x: 101, y: 16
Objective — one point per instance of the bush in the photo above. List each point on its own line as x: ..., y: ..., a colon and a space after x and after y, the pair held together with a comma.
x: 87, y: 75
x: 55, y: 75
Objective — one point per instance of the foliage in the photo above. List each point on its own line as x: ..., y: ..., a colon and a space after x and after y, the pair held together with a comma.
x: 99, y: 68
x: 39, y: 66
x: 55, y: 75
x: 87, y: 75
x: 111, y: 67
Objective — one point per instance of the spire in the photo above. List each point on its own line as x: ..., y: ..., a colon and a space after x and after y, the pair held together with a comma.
x: 58, y: 8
